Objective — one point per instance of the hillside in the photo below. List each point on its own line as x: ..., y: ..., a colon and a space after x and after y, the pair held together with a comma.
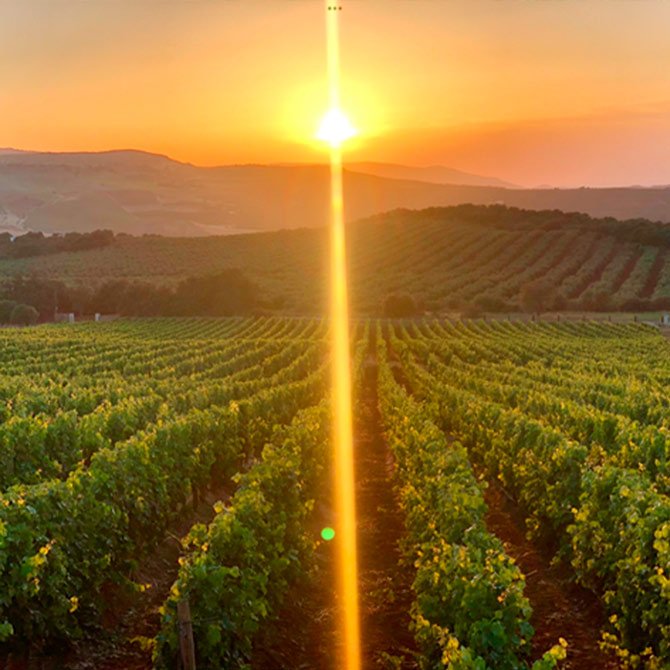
x: 140, y: 193
x: 446, y: 257
x: 434, y: 174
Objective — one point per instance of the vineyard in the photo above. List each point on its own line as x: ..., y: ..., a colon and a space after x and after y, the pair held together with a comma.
x: 108, y: 435
x: 214, y: 434
x: 445, y: 257
x: 572, y: 422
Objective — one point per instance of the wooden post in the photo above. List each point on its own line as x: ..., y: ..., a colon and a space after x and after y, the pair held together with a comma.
x: 186, y: 643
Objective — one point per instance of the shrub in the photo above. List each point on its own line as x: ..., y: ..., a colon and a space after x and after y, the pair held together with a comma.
x: 471, y: 311
x: 537, y: 297
x: 596, y: 301
x: 24, y: 315
x: 6, y: 307
x: 400, y: 305
x: 492, y: 304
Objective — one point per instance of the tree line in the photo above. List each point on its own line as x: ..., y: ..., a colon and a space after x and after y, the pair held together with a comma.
x: 39, y: 244
x: 225, y: 293
x: 639, y: 231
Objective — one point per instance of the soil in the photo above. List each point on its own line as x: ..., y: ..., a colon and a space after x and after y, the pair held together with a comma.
x: 654, y: 275
x: 595, y: 276
x: 626, y: 271
x: 560, y: 607
x: 385, y: 585
x: 305, y: 635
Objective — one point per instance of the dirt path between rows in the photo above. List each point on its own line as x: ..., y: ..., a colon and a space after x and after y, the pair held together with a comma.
x: 305, y: 636
x: 560, y: 607
x: 136, y: 615
x: 385, y: 586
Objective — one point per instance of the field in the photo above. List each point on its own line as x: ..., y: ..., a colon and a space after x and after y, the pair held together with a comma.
x: 119, y: 439
x: 467, y: 255
x: 108, y: 434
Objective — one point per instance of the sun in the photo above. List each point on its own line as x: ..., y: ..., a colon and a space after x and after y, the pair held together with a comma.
x: 335, y: 128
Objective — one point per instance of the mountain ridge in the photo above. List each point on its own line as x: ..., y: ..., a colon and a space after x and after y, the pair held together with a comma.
x: 154, y: 194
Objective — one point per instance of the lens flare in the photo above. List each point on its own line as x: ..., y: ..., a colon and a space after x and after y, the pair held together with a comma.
x: 327, y: 534
x: 336, y: 130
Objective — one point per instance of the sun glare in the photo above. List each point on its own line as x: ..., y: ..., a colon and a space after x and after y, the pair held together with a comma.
x: 335, y: 128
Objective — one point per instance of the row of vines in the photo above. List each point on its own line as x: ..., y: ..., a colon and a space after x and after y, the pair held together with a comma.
x: 572, y: 421
x: 108, y: 433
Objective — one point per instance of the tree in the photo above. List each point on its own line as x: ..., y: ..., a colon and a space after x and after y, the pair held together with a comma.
x: 6, y: 307
x: 399, y: 306
x: 600, y: 301
x: 486, y: 303
x: 537, y: 297
x: 221, y: 294
x: 43, y: 294
x: 24, y: 315
x: 560, y: 302
x: 471, y: 310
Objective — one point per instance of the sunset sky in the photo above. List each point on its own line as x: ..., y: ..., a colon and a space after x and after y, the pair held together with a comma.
x: 561, y: 92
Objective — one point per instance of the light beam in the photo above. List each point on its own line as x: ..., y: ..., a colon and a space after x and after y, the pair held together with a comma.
x: 335, y: 129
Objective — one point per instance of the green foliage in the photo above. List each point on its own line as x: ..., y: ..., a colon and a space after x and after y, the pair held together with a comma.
x: 24, y: 315
x: 445, y: 257
x: 537, y: 297
x: 239, y: 569
x: 399, y: 306
x: 225, y: 293
x: 470, y: 611
x: 572, y: 419
x: 38, y: 244
x: 621, y: 543
x: 101, y: 458
x: 108, y: 430
x: 6, y: 307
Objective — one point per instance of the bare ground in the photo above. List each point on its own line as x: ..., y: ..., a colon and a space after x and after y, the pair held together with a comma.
x: 385, y: 586
x: 560, y: 607
x: 306, y: 634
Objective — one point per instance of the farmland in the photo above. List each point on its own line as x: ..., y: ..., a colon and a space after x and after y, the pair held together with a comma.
x: 467, y: 255
x: 108, y: 435
x: 118, y: 436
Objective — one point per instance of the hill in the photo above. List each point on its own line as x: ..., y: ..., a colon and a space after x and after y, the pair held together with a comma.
x: 434, y: 174
x: 445, y: 257
x: 141, y: 193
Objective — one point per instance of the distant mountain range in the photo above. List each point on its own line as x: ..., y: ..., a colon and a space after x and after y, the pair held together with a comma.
x: 434, y: 174
x: 141, y: 193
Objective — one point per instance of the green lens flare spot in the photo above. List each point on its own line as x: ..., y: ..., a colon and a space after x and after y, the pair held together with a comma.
x: 327, y: 534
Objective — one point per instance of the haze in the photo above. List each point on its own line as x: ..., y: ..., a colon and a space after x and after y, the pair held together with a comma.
x: 561, y: 93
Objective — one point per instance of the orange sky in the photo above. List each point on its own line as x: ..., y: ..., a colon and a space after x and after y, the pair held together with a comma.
x: 532, y: 91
